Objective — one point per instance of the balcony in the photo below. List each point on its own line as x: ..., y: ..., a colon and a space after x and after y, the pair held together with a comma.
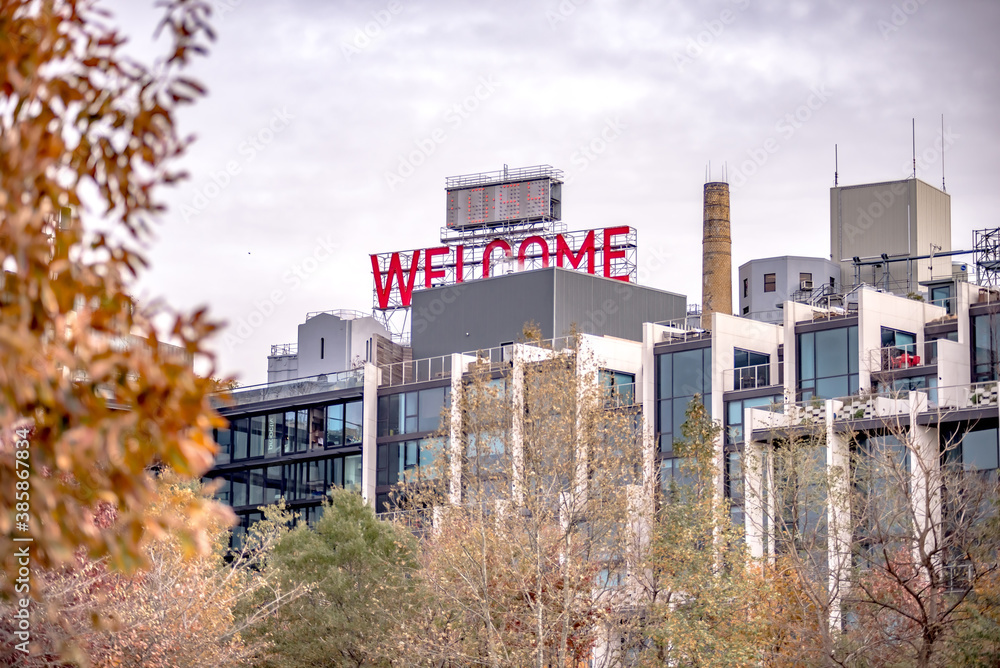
x: 619, y: 396
x: 894, y: 358
x: 747, y: 377
x: 415, y: 371
x: 328, y: 382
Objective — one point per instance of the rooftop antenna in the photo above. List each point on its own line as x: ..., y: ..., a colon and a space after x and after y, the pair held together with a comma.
x: 835, y: 165
x: 942, y: 154
x: 914, y: 121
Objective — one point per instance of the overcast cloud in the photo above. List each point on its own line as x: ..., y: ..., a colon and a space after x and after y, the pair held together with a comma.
x: 319, y: 104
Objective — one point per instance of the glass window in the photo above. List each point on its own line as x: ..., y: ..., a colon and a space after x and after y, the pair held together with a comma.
x: 688, y: 372
x: 803, y: 277
x: 979, y: 450
x: 666, y: 376
x: 288, y: 444
x: 769, y: 283
x: 241, y: 438
x: 353, y: 412
x: 317, y: 427
x: 828, y: 363
x: 431, y: 403
x: 335, y: 425
x: 302, y: 430
x: 275, y: 434
x: 239, y: 489
x: 831, y: 348
x: 224, y: 438
x: 223, y: 493
x: 941, y: 296
x: 807, y: 356
x: 255, y: 483
x: 352, y: 472
x: 746, y: 287
x: 734, y: 477
x: 257, y: 436
x: 272, y: 484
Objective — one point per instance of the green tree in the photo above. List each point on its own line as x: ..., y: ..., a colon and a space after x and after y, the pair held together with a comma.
x: 708, y: 602
x: 358, y: 569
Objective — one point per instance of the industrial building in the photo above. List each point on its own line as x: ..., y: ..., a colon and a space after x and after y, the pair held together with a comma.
x: 847, y: 355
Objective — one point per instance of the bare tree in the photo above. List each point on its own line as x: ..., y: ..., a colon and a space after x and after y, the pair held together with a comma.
x: 530, y: 553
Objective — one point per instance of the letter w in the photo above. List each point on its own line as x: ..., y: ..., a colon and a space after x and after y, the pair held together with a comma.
x: 564, y: 251
x: 395, y: 272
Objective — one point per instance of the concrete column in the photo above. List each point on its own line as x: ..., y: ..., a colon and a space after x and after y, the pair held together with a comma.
x: 369, y: 429
x: 456, y: 444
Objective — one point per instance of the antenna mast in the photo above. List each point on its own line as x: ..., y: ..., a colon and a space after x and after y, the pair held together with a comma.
x: 835, y: 165
x: 942, y: 154
x: 914, y: 121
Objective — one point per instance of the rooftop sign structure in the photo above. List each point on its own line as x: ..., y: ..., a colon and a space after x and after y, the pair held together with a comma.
x: 494, y: 222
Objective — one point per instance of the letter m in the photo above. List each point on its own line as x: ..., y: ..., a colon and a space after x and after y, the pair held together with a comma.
x: 394, y: 273
x: 564, y: 251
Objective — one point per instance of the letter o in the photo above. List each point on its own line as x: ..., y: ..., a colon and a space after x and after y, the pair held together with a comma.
x: 803, y: 117
x: 265, y: 136
x: 438, y: 311
x: 259, y: 316
x: 708, y: 38
x: 211, y: 190
x: 417, y: 158
x: 372, y: 29
x: 873, y: 206
x: 598, y: 145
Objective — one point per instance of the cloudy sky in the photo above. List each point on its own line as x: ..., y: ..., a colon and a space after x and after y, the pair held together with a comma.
x: 342, y: 119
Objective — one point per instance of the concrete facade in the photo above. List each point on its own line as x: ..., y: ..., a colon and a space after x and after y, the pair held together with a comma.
x: 897, y: 218
x: 788, y: 270
x: 487, y: 313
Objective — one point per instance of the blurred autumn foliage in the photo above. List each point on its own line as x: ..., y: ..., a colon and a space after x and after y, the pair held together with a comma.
x: 87, y: 141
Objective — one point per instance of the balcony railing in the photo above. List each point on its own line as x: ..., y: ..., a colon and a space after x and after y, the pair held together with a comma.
x: 894, y: 358
x: 974, y: 395
x: 747, y: 377
x: 326, y: 382
x: 619, y: 396
x: 283, y: 349
x: 415, y: 371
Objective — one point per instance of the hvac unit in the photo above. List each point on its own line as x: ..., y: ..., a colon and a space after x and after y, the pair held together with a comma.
x: 805, y: 285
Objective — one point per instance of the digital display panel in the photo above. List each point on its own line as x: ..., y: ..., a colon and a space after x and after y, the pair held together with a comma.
x: 502, y: 202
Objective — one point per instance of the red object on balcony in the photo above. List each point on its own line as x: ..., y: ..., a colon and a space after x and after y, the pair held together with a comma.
x: 905, y: 361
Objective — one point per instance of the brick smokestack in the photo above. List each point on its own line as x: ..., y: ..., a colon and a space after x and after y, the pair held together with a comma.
x: 717, y: 255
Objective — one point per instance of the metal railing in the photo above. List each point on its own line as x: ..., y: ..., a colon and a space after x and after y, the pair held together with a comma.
x: 773, y: 316
x: 326, y: 382
x: 342, y: 313
x: 973, y: 395
x: 283, y: 349
x: 415, y: 371
x: 747, y: 377
x: 893, y: 358
x: 518, y: 174
x: 619, y: 396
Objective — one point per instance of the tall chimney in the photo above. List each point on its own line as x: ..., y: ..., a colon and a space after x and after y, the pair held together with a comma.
x: 717, y: 251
